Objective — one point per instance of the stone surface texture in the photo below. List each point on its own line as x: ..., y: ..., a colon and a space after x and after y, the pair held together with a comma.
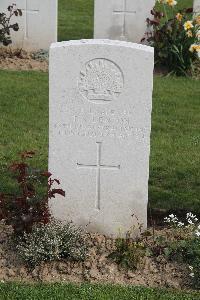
x: 121, y: 19
x: 197, y: 6
x: 100, y: 122
x: 38, y: 24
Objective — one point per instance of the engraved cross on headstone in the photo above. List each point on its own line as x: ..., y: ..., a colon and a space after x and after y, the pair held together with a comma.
x: 124, y: 12
x: 26, y: 13
x: 98, y: 166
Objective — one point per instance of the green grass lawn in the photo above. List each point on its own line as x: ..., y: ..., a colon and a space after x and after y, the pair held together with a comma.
x: 88, y: 292
x: 75, y: 19
x: 175, y: 142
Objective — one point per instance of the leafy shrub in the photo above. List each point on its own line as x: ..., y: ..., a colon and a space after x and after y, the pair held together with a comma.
x: 41, y: 55
x: 30, y: 204
x: 175, y: 39
x: 129, y: 253
x: 53, y: 241
x: 6, y: 27
x: 180, y: 242
x: 186, y: 248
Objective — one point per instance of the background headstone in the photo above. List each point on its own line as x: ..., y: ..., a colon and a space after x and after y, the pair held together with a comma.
x: 197, y: 6
x: 100, y: 121
x: 121, y: 19
x: 38, y: 25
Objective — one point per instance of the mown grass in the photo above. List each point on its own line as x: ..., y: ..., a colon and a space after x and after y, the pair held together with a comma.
x: 75, y: 19
x: 88, y: 292
x: 175, y: 142
x: 23, y: 121
x: 175, y: 145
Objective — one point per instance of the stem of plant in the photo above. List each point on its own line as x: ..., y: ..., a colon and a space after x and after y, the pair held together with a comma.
x: 165, y: 11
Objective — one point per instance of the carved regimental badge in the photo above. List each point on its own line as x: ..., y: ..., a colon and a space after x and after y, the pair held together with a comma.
x: 101, y: 81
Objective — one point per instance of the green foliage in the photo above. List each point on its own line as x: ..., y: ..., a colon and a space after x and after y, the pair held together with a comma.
x: 182, y: 244
x: 129, y: 253
x: 41, y: 55
x: 187, y: 251
x: 53, y: 241
x: 6, y: 27
x: 179, y: 242
x: 174, y: 38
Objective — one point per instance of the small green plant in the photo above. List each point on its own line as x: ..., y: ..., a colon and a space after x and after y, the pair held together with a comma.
x: 179, y: 241
x: 186, y: 244
x: 50, y: 242
x: 6, y: 27
x: 175, y: 37
x: 41, y: 55
x: 130, y: 252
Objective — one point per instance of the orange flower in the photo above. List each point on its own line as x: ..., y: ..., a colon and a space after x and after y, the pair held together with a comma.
x: 198, y: 20
x: 189, y: 33
x: 179, y: 17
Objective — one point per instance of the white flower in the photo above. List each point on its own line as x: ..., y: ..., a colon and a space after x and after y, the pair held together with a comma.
x: 191, y: 216
x: 180, y: 224
x: 197, y: 233
x: 191, y: 274
x: 167, y: 220
x: 190, y: 222
x: 191, y: 268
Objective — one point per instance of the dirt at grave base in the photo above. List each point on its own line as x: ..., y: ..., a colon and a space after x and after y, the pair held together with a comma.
x: 21, y: 60
x: 97, y: 268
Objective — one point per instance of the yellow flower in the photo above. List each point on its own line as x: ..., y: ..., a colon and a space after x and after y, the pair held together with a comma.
x: 194, y: 47
x: 171, y: 2
x: 188, y: 25
x: 189, y: 33
x: 179, y: 17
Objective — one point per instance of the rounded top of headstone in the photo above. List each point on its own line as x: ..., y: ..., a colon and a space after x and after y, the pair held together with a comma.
x: 103, y: 42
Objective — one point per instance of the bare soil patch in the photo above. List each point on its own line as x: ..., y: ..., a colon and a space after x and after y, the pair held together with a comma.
x: 22, y: 60
x: 97, y: 268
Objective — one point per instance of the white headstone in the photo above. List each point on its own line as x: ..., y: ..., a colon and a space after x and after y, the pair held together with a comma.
x: 122, y: 19
x: 197, y: 6
x: 100, y: 121
x: 38, y: 24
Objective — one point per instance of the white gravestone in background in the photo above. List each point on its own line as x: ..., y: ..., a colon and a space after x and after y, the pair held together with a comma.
x: 100, y: 121
x: 37, y: 26
x: 197, y: 6
x: 122, y: 19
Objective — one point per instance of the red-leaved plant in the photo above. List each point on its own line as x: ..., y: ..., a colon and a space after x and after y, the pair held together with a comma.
x: 30, y: 205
